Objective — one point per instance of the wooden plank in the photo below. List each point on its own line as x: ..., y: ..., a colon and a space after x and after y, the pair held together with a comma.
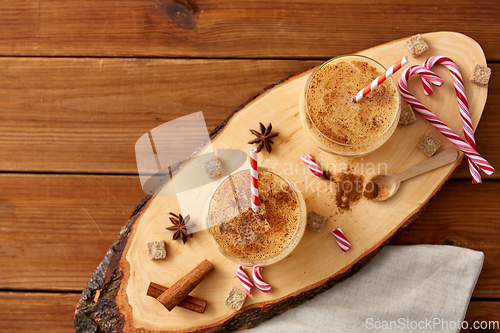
x: 59, y: 227
x: 484, y: 313
x: 48, y: 238
x: 53, y: 312
x: 465, y: 215
x: 85, y: 115
x: 241, y: 28
x: 41, y: 312
x: 55, y: 229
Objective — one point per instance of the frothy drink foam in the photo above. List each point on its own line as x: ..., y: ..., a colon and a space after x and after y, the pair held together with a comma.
x: 245, y: 234
x: 333, y: 113
x: 338, y: 125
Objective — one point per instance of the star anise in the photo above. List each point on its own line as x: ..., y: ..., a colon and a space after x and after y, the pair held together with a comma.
x: 181, y: 227
x: 264, y: 137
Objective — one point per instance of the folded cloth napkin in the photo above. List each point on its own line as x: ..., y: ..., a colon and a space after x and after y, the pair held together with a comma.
x: 417, y: 288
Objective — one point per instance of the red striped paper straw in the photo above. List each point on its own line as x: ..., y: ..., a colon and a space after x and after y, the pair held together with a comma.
x: 254, y: 179
x: 378, y: 81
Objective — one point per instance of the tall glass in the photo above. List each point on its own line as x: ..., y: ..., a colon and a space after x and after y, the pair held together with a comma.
x: 259, y: 238
x: 339, y: 126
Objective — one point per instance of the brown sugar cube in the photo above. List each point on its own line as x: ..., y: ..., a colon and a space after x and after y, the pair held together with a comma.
x: 315, y: 221
x: 235, y: 299
x: 481, y: 74
x: 157, y: 250
x: 212, y: 166
x: 407, y: 115
x: 429, y: 144
x: 416, y: 45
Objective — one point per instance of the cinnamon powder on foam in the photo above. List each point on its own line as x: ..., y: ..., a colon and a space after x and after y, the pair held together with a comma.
x: 333, y: 113
x: 246, y: 234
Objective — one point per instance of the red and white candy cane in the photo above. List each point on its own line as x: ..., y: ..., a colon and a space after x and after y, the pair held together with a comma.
x: 312, y: 165
x: 254, y: 186
x: 462, y: 105
x: 341, y: 240
x: 257, y: 279
x: 434, y: 120
x: 244, y: 279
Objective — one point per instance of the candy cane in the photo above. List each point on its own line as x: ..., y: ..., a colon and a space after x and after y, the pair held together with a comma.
x: 312, y: 165
x: 462, y: 105
x: 257, y: 279
x: 244, y: 279
x: 434, y: 120
x: 341, y: 240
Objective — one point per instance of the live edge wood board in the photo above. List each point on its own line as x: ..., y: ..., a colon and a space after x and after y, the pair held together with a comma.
x: 317, y: 263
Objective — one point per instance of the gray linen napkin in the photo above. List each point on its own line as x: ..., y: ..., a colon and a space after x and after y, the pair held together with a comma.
x: 420, y: 288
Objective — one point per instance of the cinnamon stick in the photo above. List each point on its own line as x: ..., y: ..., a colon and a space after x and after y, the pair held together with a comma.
x: 189, y: 302
x: 179, y: 290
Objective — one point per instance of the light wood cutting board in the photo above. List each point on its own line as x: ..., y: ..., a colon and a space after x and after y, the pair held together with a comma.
x: 317, y: 263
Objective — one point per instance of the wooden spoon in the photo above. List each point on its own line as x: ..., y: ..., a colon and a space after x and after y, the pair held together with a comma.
x: 382, y: 187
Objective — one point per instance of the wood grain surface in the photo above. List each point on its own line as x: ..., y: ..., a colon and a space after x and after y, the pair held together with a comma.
x: 73, y: 100
x: 56, y: 228
x: 482, y: 312
x: 53, y: 312
x: 41, y: 312
x: 85, y: 115
x: 236, y: 29
x: 44, y: 264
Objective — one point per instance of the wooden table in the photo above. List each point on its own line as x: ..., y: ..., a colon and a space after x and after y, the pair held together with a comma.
x: 82, y: 81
